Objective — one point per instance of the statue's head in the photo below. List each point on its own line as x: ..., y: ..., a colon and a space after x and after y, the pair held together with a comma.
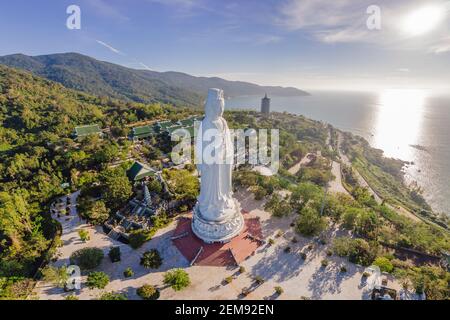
x: 215, y: 104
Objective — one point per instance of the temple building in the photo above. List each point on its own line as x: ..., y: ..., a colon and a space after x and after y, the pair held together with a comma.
x: 84, y: 131
x: 143, y: 132
x: 137, y: 214
x: 139, y: 171
x: 265, y: 105
x: 164, y: 128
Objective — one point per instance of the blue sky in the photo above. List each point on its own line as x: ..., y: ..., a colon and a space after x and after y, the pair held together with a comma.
x: 303, y: 43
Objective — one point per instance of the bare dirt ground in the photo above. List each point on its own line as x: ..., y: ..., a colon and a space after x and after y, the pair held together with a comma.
x: 299, y: 278
x: 295, y: 168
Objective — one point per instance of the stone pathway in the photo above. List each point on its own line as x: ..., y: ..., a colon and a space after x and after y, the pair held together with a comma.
x: 335, y: 186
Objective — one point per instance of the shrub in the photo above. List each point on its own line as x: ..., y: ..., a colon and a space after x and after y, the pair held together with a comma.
x: 282, y: 209
x: 324, y: 263
x: 259, y: 280
x: 271, y: 241
x: 155, y: 186
x: 279, y: 290
x: 349, y: 218
x: 56, y: 276
x: 329, y: 253
x: 178, y: 279
x: 241, y: 269
x: 384, y: 264
x: 128, y: 273
x: 310, y: 223
x: 303, y: 255
x: 397, y: 263
x: 294, y: 240
x: 148, y: 292
x: 138, y: 238
x: 287, y: 249
x: 343, y: 269
x: 358, y: 251
x: 84, y: 235
x: 114, y: 254
x: 365, y: 274
x: 97, y: 280
x: 182, y: 183
x: 97, y: 213
x: 151, y: 259
x: 229, y: 279
x: 112, y: 296
x: 189, y: 167
x: 87, y: 258
x: 260, y: 193
x: 71, y: 297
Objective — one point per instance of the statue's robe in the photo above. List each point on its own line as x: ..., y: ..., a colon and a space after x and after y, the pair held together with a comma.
x: 216, y: 196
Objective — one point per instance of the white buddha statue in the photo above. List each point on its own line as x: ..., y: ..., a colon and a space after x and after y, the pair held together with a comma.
x: 217, y: 216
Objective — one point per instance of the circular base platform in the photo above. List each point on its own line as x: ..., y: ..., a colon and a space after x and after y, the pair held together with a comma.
x: 218, y: 232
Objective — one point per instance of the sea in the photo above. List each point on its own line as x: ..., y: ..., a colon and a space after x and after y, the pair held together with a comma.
x: 411, y: 125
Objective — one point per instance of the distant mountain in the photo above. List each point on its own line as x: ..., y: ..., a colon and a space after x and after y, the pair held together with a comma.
x: 100, y: 78
x: 84, y: 73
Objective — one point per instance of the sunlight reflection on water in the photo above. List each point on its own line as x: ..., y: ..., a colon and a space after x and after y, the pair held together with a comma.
x: 399, y: 122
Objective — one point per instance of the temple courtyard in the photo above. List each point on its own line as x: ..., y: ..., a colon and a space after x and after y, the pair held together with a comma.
x: 272, y: 262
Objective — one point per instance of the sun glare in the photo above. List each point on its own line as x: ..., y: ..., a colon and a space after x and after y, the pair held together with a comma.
x: 422, y: 20
x: 399, y: 121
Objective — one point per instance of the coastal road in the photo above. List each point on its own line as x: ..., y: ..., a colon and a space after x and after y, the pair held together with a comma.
x: 362, y: 182
x: 335, y: 185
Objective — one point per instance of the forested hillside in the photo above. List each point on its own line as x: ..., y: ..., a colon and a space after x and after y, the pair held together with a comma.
x: 100, y: 78
x: 37, y: 155
x: 87, y: 74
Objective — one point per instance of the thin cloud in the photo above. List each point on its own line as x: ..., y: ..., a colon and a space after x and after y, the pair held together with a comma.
x: 107, y: 9
x: 267, y: 39
x: 178, y: 3
x: 442, y: 47
x: 258, y: 39
x: 342, y: 21
x: 328, y: 21
x: 117, y: 51
x: 110, y: 47
x: 145, y: 66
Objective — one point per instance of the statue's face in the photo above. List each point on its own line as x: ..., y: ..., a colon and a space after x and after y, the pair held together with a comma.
x: 215, y: 104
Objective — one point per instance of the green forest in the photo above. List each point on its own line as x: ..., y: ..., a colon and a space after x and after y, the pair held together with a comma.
x: 38, y: 155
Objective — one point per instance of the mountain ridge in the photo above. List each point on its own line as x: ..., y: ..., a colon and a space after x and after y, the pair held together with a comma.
x: 81, y: 72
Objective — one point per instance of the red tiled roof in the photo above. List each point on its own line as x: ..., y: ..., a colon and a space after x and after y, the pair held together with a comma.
x: 218, y: 254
